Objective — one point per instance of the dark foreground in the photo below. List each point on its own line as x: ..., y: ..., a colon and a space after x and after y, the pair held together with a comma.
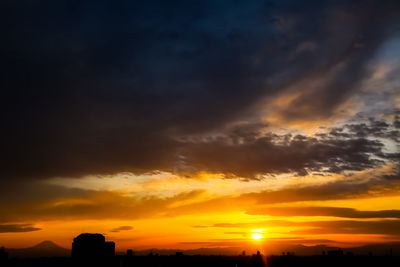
x: 211, y: 261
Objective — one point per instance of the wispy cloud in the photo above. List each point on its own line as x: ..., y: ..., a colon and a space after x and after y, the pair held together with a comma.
x: 121, y: 228
x: 17, y: 228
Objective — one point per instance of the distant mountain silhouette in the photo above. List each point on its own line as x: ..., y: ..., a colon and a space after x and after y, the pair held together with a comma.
x: 309, y: 250
x: 43, y: 249
x: 199, y: 251
x: 376, y: 249
x: 300, y: 250
x: 46, y: 245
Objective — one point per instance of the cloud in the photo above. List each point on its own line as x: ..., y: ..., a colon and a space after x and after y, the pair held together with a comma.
x: 92, y: 204
x: 116, y: 89
x: 17, y: 228
x: 38, y: 202
x: 352, y: 147
x: 382, y: 227
x: 324, y: 211
x: 346, y: 189
x: 121, y: 228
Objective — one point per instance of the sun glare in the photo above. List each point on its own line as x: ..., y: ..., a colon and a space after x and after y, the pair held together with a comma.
x: 257, y: 234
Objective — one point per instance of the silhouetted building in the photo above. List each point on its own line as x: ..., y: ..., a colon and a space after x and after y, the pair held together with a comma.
x: 129, y: 253
x: 3, y: 255
x: 257, y: 259
x: 92, y: 247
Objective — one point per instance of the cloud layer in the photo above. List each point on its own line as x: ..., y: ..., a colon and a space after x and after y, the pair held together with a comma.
x: 17, y: 228
x: 102, y: 88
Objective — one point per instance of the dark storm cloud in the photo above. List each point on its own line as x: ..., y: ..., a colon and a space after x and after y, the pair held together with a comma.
x: 396, y: 121
x: 104, y: 87
x: 246, y: 153
x: 17, y: 228
x: 373, y: 128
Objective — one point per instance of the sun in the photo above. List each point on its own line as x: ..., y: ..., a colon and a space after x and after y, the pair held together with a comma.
x: 257, y: 234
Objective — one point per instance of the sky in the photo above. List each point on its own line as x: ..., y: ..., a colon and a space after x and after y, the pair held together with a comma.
x: 191, y: 124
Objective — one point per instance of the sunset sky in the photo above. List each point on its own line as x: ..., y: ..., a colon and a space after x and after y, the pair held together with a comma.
x: 200, y: 124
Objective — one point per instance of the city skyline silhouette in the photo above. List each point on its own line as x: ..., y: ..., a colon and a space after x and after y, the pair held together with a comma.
x: 92, y: 249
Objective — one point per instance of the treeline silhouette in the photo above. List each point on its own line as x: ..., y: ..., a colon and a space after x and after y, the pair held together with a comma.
x: 92, y: 250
